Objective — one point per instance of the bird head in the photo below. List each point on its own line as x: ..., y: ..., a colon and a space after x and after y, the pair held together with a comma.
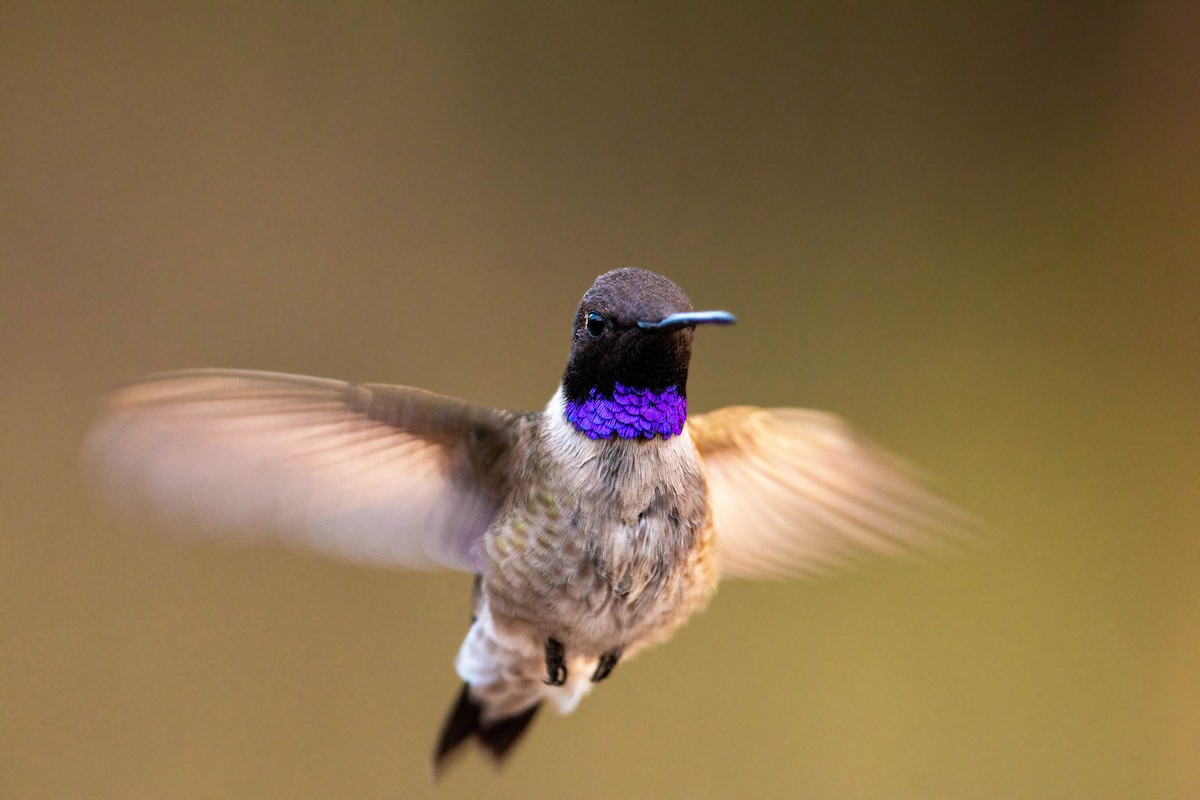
x: 631, y: 344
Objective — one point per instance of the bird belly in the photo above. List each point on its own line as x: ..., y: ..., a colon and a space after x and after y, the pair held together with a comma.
x: 605, y: 547
x: 503, y: 656
x: 595, y: 594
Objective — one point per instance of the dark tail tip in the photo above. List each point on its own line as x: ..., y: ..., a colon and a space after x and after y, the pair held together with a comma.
x: 465, y: 721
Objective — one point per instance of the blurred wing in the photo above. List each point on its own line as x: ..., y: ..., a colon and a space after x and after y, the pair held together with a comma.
x: 796, y: 492
x: 380, y: 475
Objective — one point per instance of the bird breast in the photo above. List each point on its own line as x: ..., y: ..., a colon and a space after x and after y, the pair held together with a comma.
x: 602, y: 542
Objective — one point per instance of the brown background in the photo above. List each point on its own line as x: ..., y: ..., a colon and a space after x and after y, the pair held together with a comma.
x: 975, y: 231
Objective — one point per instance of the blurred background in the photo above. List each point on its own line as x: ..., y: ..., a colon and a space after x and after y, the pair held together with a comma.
x: 973, y: 230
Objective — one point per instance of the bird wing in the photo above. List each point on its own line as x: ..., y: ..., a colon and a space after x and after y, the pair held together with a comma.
x: 374, y: 474
x: 797, y: 492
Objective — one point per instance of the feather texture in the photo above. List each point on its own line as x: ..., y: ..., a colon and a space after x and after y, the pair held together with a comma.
x: 796, y: 492
x: 379, y: 475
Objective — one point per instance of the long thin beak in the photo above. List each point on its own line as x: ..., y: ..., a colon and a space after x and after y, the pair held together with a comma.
x: 689, y: 319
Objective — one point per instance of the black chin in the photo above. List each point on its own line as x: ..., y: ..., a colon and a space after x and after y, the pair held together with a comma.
x: 640, y: 360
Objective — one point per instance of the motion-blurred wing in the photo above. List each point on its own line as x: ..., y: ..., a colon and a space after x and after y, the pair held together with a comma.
x: 796, y: 492
x: 380, y: 475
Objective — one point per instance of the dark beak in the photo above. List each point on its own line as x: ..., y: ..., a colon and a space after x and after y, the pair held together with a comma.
x: 688, y: 319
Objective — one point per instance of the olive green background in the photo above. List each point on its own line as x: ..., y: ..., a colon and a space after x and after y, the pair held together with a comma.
x: 973, y: 229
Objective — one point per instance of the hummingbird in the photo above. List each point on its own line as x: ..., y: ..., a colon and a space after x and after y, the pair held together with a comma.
x: 593, y: 528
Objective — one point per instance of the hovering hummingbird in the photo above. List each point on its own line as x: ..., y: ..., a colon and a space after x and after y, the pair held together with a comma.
x: 594, y: 528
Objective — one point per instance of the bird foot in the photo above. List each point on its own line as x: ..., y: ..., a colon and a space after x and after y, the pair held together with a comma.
x: 556, y: 663
x: 606, y: 664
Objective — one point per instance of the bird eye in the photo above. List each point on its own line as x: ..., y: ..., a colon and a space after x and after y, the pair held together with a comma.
x: 595, y: 325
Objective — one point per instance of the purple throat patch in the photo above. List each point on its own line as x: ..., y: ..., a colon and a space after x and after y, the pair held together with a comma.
x: 630, y: 413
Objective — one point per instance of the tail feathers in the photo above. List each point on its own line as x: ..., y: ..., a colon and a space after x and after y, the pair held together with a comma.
x: 466, y: 720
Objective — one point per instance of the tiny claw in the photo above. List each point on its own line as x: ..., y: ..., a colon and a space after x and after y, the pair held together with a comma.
x: 556, y: 663
x: 606, y: 664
